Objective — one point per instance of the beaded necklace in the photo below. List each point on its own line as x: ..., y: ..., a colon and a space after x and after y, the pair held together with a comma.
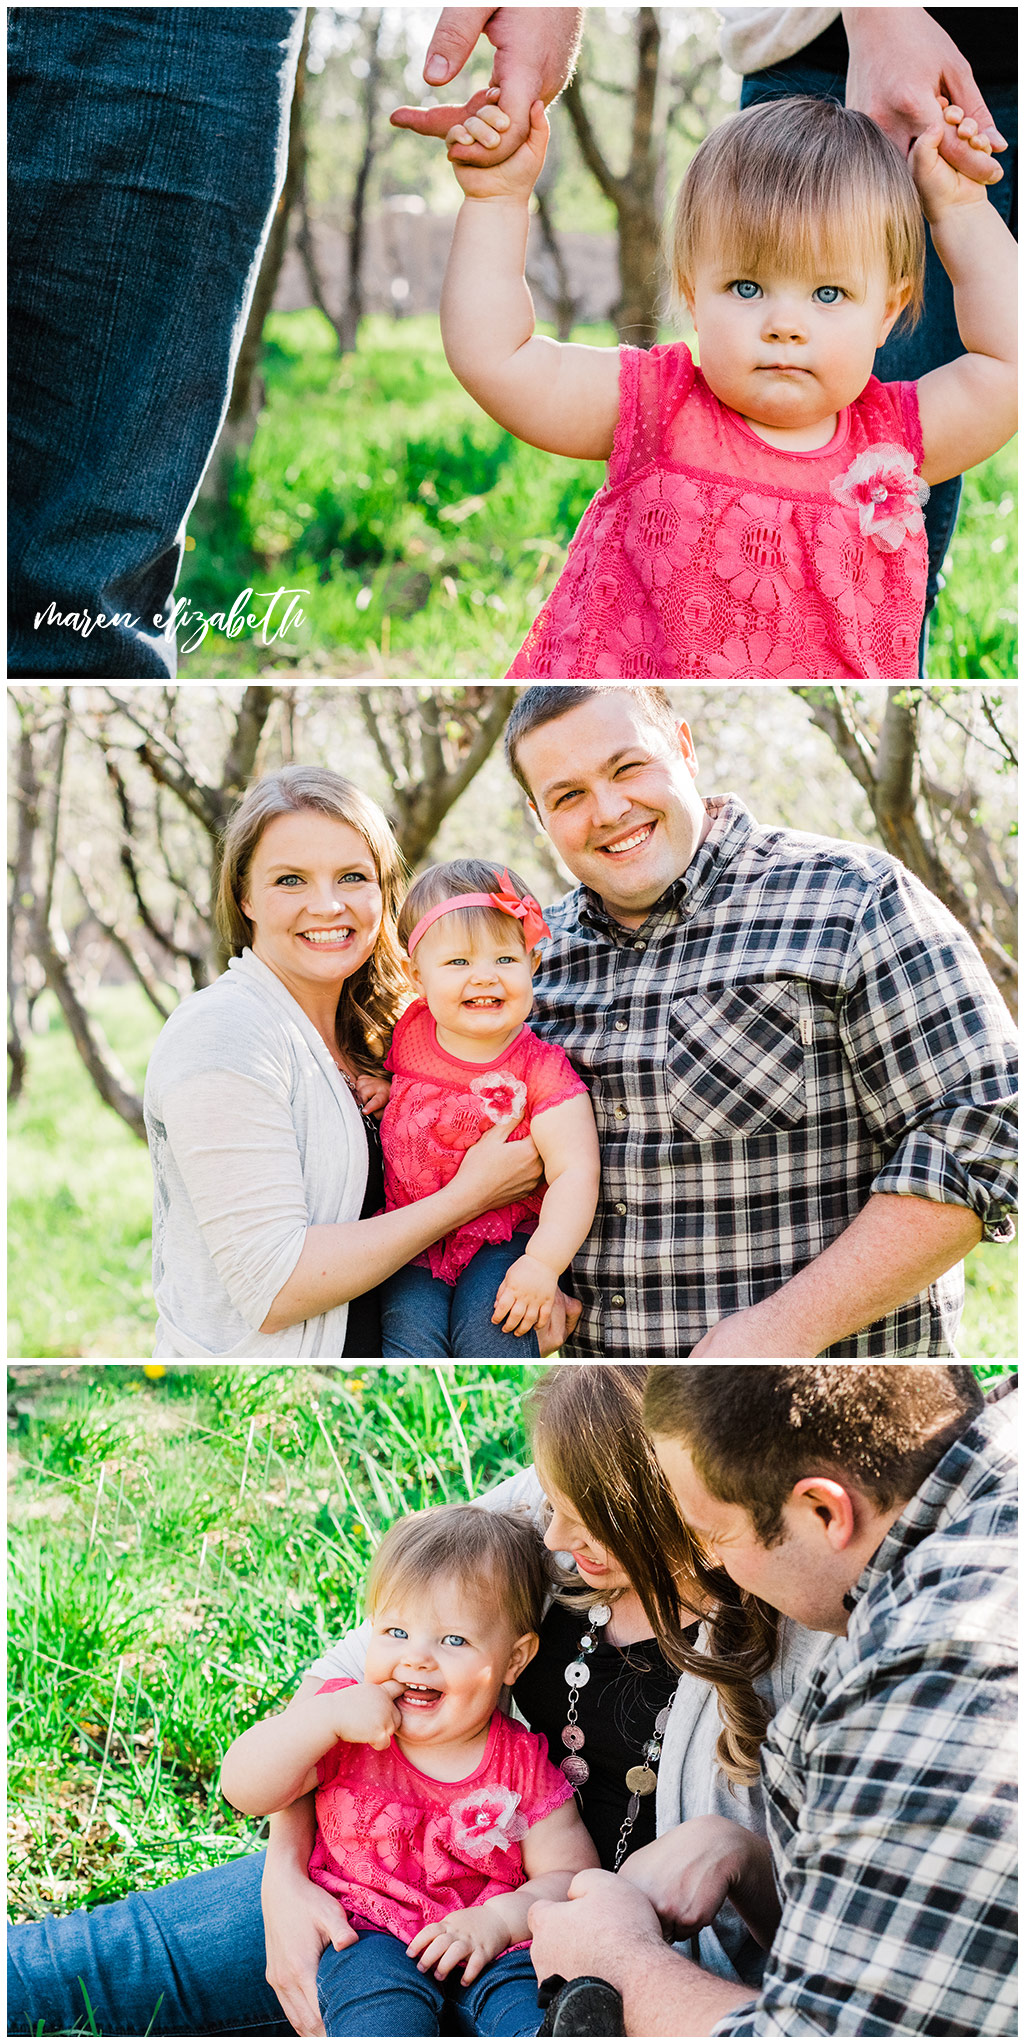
x: 642, y: 1779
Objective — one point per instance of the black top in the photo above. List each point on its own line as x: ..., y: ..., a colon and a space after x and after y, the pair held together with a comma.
x: 986, y: 36
x: 362, y: 1329
x: 615, y: 1711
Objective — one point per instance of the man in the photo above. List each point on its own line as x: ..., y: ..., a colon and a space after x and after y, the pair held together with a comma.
x: 879, y: 1505
x: 803, y: 1076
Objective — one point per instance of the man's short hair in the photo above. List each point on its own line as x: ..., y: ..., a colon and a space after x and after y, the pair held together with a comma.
x: 544, y: 702
x: 754, y: 1431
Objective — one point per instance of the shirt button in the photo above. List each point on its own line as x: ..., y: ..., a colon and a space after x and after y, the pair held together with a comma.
x: 620, y: 1206
x: 620, y: 1114
x: 617, y: 1299
x: 641, y: 945
x: 621, y: 1025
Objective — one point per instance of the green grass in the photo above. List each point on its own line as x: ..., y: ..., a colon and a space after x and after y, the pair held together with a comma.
x: 182, y: 1546
x: 181, y: 1550
x: 427, y: 538
x: 79, y: 1211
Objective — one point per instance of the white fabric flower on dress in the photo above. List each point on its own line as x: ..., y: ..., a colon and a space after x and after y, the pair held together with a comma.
x: 487, y: 1821
x: 500, y: 1094
x: 887, y: 495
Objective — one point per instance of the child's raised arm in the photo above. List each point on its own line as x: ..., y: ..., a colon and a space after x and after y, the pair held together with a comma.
x: 968, y: 407
x: 566, y: 1137
x: 559, y: 396
x: 274, y: 1762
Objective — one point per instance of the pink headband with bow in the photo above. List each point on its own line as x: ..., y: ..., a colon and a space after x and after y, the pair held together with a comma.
x: 504, y: 898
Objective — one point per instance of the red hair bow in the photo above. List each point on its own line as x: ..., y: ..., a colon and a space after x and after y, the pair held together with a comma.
x: 524, y: 907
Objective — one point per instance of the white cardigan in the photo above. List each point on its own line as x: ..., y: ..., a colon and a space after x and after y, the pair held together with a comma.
x: 753, y: 38
x: 254, y: 1137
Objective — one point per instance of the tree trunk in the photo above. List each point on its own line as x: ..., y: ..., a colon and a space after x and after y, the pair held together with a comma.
x: 889, y: 773
x: 634, y: 195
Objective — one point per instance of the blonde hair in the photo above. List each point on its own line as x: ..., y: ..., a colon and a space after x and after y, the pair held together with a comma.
x: 498, y: 1559
x: 459, y: 876
x: 371, y: 999
x: 587, y: 1427
x: 811, y: 181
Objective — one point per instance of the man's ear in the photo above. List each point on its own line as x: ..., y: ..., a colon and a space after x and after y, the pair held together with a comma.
x: 687, y: 747
x: 522, y: 1653
x: 831, y: 1505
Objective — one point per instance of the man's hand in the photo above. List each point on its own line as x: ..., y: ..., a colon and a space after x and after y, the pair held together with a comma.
x: 760, y: 1330
x: 526, y: 1295
x: 471, y: 1935
x: 556, y: 1329
x: 604, y: 1917
x: 903, y: 70
x: 513, y: 177
x: 534, y: 52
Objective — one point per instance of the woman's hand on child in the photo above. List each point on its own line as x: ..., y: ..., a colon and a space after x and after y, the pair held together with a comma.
x: 367, y: 1714
x: 517, y: 175
x: 300, y: 1920
x: 495, y: 1171
x: 471, y: 1935
x: 939, y: 186
x: 525, y: 1296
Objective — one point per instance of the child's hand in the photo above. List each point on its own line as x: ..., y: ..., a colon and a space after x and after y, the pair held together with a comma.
x: 473, y: 1935
x: 939, y: 186
x: 516, y: 177
x: 525, y: 1296
x: 373, y: 1091
x: 367, y: 1714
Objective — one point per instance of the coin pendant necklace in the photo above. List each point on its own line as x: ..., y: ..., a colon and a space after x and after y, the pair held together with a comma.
x: 642, y: 1779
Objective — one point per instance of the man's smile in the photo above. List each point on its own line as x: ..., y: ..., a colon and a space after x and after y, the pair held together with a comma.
x: 636, y: 838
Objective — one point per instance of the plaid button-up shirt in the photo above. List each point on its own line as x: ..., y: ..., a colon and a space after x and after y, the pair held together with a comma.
x: 797, y: 1025
x: 890, y: 1781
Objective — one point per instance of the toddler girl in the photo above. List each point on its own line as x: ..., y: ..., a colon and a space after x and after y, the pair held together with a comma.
x: 438, y: 1820
x: 762, y: 513
x: 462, y: 1060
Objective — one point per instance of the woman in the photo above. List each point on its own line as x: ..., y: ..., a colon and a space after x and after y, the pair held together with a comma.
x: 265, y: 1221
x: 607, y: 1513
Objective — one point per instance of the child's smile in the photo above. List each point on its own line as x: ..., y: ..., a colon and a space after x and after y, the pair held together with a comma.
x: 788, y: 353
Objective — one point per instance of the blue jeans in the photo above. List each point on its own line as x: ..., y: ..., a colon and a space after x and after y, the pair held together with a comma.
x: 422, y: 1316
x: 373, y: 1989
x: 186, y: 1960
x: 936, y: 339
x: 147, y: 148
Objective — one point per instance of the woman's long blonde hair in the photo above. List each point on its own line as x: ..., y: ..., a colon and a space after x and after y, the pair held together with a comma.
x: 586, y: 1425
x: 370, y: 1001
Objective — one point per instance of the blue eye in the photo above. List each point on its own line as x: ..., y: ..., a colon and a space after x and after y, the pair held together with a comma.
x: 454, y: 1639
x: 285, y: 880
x: 829, y: 294
x: 396, y: 1632
x: 745, y: 287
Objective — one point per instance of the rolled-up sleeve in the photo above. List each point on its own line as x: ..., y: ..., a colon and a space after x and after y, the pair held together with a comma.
x: 933, y: 1057
x: 235, y: 1147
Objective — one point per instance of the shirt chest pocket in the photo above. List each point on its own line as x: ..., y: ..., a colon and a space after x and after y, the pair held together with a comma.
x: 737, y: 1061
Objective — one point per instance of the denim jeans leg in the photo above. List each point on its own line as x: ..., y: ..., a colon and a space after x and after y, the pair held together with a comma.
x: 415, y: 1314
x: 373, y: 1989
x: 186, y: 1960
x: 502, y: 2001
x: 146, y: 151
x: 473, y: 1331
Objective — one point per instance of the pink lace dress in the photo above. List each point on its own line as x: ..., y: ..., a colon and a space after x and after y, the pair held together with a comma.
x: 440, y: 1105
x: 709, y: 553
x: 400, y: 1850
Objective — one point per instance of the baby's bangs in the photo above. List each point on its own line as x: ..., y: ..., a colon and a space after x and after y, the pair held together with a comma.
x: 466, y: 922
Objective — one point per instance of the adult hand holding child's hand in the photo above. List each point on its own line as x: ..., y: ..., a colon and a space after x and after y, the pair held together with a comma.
x: 903, y: 70
x: 534, y: 52
x: 526, y: 1295
x: 513, y: 177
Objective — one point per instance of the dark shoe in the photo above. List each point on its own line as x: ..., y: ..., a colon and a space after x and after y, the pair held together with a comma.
x: 587, y: 2007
